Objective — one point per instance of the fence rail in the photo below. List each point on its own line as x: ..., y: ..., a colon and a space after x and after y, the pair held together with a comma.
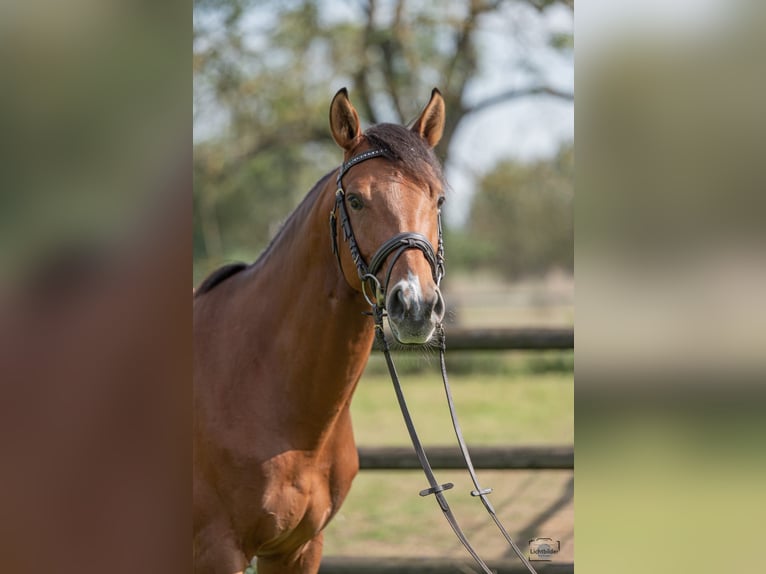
x: 530, y: 339
x: 366, y: 565
x: 483, y: 457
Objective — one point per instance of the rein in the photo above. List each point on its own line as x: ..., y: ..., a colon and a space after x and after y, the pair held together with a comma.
x: 368, y: 276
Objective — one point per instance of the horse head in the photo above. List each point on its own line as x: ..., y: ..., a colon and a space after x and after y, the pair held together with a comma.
x: 389, y: 198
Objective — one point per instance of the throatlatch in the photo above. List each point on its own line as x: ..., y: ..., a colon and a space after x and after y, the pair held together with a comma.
x: 368, y: 277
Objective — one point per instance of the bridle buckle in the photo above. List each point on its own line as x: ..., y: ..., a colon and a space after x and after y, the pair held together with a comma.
x: 379, y: 295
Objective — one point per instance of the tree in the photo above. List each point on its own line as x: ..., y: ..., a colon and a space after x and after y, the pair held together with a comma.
x: 265, y: 71
x: 522, y: 218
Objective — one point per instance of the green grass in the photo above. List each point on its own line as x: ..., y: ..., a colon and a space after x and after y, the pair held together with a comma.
x: 493, y: 409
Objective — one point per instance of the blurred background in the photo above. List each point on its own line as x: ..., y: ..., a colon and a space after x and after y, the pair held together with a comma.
x: 264, y: 75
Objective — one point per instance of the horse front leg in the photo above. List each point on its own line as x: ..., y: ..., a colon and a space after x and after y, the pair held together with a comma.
x: 304, y: 561
x: 217, y: 552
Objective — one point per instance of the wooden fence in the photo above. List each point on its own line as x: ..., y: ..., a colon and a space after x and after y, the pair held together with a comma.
x: 533, y: 339
x: 485, y: 458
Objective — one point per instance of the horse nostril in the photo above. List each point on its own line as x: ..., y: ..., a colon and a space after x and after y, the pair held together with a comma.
x: 403, y: 306
x: 397, y: 304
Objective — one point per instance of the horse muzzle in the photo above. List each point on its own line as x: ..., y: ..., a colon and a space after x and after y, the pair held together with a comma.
x: 412, y: 313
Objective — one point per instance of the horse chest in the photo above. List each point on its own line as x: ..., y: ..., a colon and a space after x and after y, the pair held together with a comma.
x: 300, y: 496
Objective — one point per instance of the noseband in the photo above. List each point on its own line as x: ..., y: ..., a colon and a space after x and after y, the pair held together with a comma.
x: 398, y: 244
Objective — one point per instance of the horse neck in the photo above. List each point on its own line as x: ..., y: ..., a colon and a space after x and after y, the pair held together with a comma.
x: 319, y: 338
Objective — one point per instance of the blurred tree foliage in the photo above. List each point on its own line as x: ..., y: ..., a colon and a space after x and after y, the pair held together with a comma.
x: 521, y: 222
x: 264, y: 74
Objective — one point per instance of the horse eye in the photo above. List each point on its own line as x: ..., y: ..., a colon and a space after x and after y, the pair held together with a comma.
x: 355, y: 202
x: 440, y: 202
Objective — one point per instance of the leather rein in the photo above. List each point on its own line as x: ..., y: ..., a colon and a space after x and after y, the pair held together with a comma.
x: 368, y: 277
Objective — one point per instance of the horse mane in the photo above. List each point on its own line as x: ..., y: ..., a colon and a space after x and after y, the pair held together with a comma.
x: 219, y: 276
x: 398, y: 143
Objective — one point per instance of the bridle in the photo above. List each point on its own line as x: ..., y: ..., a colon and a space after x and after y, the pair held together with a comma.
x: 368, y: 274
x: 368, y: 277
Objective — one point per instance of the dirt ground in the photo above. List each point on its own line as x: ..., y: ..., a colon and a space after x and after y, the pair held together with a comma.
x: 384, y: 516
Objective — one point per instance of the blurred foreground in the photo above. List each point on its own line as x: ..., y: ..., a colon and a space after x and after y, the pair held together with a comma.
x: 671, y: 325
x: 95, y: 328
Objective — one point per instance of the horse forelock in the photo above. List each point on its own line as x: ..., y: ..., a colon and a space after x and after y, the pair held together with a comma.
x: 408, y: 149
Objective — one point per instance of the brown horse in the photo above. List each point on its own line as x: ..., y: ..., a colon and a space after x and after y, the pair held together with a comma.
x: 280, y: 345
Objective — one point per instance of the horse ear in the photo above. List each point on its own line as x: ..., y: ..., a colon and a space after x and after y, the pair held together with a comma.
x: 430, y: 124
x: 344, y: 121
